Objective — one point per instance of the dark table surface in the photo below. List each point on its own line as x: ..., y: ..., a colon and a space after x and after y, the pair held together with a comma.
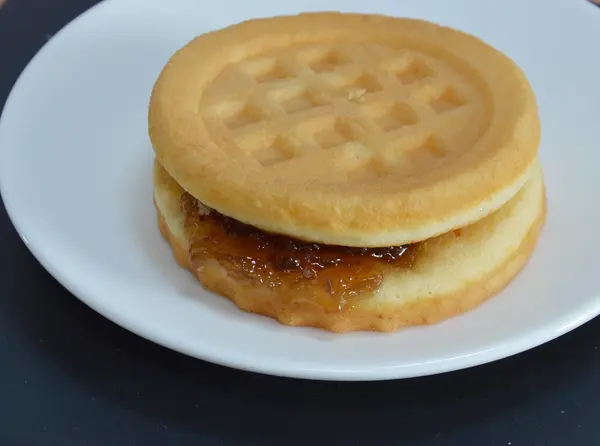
x: 70, y: 377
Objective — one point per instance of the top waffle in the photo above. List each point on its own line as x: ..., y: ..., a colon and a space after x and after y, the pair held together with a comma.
x: 347, y: 129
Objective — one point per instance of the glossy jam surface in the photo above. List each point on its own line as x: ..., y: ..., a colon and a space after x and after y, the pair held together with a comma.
x: 336, y: 275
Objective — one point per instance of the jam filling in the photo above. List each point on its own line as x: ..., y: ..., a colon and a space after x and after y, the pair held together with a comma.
x: 332, y: 277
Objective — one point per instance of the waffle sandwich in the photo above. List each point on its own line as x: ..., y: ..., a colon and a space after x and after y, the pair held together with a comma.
x: 347, y: 171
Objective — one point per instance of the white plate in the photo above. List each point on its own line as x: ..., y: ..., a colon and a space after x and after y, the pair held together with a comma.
x: 75, y: 172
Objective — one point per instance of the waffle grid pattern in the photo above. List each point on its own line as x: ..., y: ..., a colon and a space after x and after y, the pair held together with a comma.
x: 375, y: 108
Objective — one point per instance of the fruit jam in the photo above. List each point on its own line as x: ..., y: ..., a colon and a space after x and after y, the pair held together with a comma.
x: 337, y: 275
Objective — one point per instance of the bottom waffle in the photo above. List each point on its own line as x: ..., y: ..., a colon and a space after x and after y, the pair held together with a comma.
x: 419, y: 284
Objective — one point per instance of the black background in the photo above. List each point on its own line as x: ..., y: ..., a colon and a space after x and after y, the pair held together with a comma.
x: 70, y: 377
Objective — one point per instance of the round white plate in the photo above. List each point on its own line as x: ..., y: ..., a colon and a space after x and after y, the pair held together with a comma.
x: 75, y: 172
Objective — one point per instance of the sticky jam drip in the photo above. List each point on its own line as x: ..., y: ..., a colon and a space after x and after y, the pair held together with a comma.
x: 332, y: 277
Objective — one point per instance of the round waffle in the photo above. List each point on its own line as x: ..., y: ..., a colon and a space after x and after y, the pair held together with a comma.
x: 357, y: 130
x: 449, y: 275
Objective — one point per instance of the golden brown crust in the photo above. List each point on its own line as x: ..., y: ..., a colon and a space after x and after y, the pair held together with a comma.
x: 379, y: 312
x: 468, y: 162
